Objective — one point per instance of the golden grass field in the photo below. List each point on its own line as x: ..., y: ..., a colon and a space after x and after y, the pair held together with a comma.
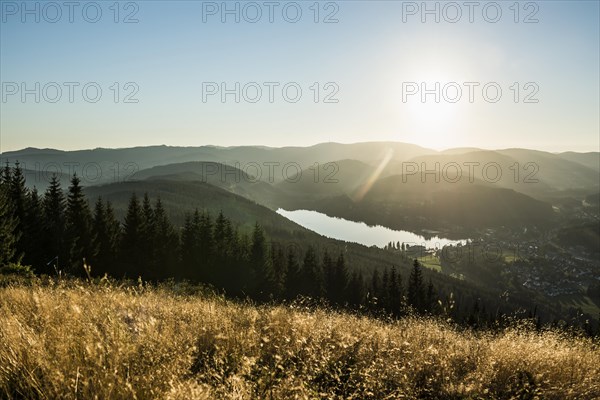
x: 68, y: 340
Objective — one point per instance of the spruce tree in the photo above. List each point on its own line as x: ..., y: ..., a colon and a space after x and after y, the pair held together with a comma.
x: 394, y: 290
x: 384, y: 298
x: 206, y: 248
x: 244, y: 273
x: 8, y: 229
x: 278, y: 261
x: 165, y: 245
x: 147, y: 261
x: 431, y: 298
x: 6, y: 176
x: 78, y: 227
x: 113, y: 227
x: 33, y: 224
x: 54, y: 209
x: 107, y: 237
x: 219, y: 236
x: 189, y: 246
x: 356, y: 289
x: 293, y: 281
x: 329, y: 277
x: 18, y: 194
x: 416, y: 292
x: 312, y: 282
x: 374, y: 290
x: 221, y: 255
x: 261, y: 265
x: 340, y: 280
x: 131, y: 247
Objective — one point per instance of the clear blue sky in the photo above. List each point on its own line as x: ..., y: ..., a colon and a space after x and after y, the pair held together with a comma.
x: 368, y: 55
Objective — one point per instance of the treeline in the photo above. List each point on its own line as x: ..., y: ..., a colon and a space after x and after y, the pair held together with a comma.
x: 59, y: 232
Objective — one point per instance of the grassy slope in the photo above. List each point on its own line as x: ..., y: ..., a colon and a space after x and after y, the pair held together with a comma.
x: 72, y: 340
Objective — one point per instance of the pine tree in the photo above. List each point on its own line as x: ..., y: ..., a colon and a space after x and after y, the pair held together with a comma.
x: 374, y: 290
x: 6, y: 176
x: 431, y: 298
x: 190, y: 247
x: 147, y: 212
x: 8, y: 226
x: 293, y: 282
x: 54, y: 209
x: 18, y: 197
x: 219, y: 236
x: 131, y: 247
x: 243, y: 273
x: 206, y: 248
x: 340, y: 279
x: 107, y: 237
x: 356, y: 289
x: 416, y: 293
x: 79, y: 235
x: 278, y: 261
x: 33, y: 225
x: 395, y: 294
x: 261, y: 265
x: 147, y: 261
x: 165, y: 244
x: 329, y: 277
x: 384, y: 297
x: 222, y: 247
x: 312, y: 275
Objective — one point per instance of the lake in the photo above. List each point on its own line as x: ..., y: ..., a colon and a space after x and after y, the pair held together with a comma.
x: 359, y: 232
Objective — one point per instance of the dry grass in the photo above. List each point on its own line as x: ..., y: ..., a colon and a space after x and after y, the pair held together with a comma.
x: 70, y: 340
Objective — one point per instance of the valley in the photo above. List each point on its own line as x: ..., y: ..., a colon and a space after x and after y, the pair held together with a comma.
x: 523, y: 229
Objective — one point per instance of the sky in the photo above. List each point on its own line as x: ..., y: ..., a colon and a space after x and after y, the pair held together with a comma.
x: 187, y: 73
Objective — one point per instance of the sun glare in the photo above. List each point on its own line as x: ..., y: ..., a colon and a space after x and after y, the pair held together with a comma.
x: 430, y: 105
x: 432, y: 124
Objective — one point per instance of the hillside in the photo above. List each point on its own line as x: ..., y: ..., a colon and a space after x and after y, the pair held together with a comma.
x: 458, y: 204
x: 74, y: 340
x: 113, y: 165
x: 558, y: 175
x: 334, y: 178
x: 586, y: 236
x: 538, y: 174
x: 228, y: 177
x: 181, y: 197
x: 590, y: 160
x: 407, y: 203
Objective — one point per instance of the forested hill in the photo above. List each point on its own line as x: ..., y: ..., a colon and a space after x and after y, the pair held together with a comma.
x: 60, y: 232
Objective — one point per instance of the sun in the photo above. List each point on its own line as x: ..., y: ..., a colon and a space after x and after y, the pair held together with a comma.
x: 431, y: 124
x: 430, y: 107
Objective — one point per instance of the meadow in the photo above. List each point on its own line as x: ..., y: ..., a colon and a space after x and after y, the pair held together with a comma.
x: 72, y: 339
